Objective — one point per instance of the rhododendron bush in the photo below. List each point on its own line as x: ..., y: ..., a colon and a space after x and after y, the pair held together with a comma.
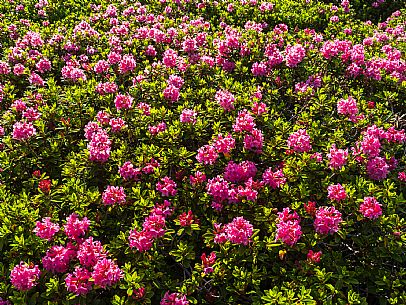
x: 202, y: 152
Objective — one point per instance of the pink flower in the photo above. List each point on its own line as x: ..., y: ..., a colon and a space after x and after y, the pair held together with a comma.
x: 19, y: 105
x: 31, y: 114
x: 337, y: 157
x: 79, y: 282
x: 275, y: 179
x: 99, y: 146
x: 239, y: 231
x: 198, y: 178
x: 145, y: 108
x: 288, y: 229
x: 43, y: 65
x: 154, y: 130
x: 188, y: 116
x: 117, y: 124
x: 128, y: 172
x: 154, y: 225
x: 90, y: 252
x: 294, y: 55
x: 57, y: 258
x: 18, y: 69
x: 224, y: 144
x: 102, y: 66
x: 46, y: 229
x: 254, y: 141
x: 220, y: 235
x: 24, y: 276
x: 402, y: 176
x: 113, y: 195
x: 317, y: 156
x: 106, y: 273
x: 167, y: 187
x: 327, y: 220
x: 35, y: 79
x: 259, y: 108
x: 347, y: 107
x: 300, y: 141
x: 208, y: 262
x: 371, y: 145
x: 123, y: 101
x: 140, y: 240
x: 187, y: 219
x: 310, y: 208
x: 225, y: 99
x: 207, y: 155
x: 377, y: 168
x: 239, y: 172
x: 171, y: 93
x: 336, y: 192
x: 218, y: 188
x: 314, y: 257
x: 174, y: 299
x: 175, y: 80
x: 244, y: 122
x: 170, y: 58
x: 75, y: 228
x: 370, y: 208
x: 259, y: 69
x: 23, y: 131
x: 127, y: 64
x: 4, y: 68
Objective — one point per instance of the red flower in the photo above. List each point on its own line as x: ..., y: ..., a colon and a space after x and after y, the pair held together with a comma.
x: 45, y: 186
x: 310, y: 208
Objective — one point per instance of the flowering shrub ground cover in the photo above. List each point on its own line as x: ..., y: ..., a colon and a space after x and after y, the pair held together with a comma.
x: 202, y: 152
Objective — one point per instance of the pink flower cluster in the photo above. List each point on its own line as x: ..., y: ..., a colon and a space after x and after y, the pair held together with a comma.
x: 314, y: 257
x: 95, y: 267
x: 207, y: 155
x: 225, y: 99
x: 378, y: 167
x: 327, y: 220
x: 128, y: 172
x: 336, y: 192
x: 347, y: 107
x: 57, y: 258
x: 106, y: 273
x: 167, y: 187
x: 337, y: 157
x: 239, y: 172
x: 174, y: 298
x: 275, y: 179
x: 208, y: 262
x: 46, y: 229
x: 370, y: 208
x: 288, y: 227
x: 299, y: 141
x: 123, y: 101
x: 244, y: 122
x: 76, y: 228
x: 24, y: 276
x: 238, y: 231
x: 188, y: 116
x: 113, y: 195
x: 23, y: 131
x: 100, y: 145
x: 294, y: 55
x: 153, y: 227
x: 224, y: 144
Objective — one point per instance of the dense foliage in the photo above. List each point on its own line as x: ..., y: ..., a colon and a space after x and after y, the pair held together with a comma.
x: 186, y: 152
